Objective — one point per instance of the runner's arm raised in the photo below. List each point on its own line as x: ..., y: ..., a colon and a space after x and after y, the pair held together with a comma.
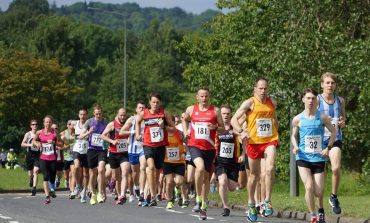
x: 244, y: 108
x: 139, y: 119
x: 186, y: 120
x: 293, y: 137
x: 125, y: 130
x: 25, y: 139
x: 333, y: 133
x: 105, y: 135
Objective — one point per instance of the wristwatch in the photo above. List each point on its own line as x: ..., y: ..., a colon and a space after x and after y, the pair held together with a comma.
x: 240, y: 131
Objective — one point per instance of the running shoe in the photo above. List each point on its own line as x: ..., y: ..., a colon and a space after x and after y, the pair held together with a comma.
x: 163, y: 196
x: 93, y: 199
x: 153, y: 202
x: 141, y: 197
x: 33, y: 191
x: 226, y: 212
x: 121, y: 200
x: 52, y: 194
x: 321, y: 218
x: 74, y: 193
x: 170, y: 205
x: 57, y: 183
x: 83, y: 196
x: 112, y: 185
x: 252, y: 213
x: 203, y: 214
x: 313, y: 219
x: 268, y: 210
x: 334, y: 203
x: 145, y: 203
x: 197, y: 206
x: 137, y: 193
x: 159, y: 198
x: 132, y: 198
x: 47, y: 201
x: 185, y: 204
x: 100, y: 198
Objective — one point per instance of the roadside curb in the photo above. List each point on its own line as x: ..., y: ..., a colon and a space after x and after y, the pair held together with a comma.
x: 296, y: 214
x: 40, y: 190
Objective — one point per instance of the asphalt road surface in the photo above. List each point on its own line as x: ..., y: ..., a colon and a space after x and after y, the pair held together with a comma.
x: 22, y: 208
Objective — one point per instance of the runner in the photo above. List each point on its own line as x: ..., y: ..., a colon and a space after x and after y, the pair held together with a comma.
x: 32, y: 157
x: 47, y: 140
x: 135, y: 152
x: 262, y: 135
x: 68, y: 136
x: 227, y: 159
x: 205, y: 121
x: 96, y: 154
x: 118, y: 154
x: 333, y: 106
x: 174, y: 165
x: 80, y: 173
x: 154, y: 140
x: 311, y: 153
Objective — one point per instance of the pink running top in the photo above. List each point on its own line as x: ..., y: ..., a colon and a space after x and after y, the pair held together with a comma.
x: 48, y: 149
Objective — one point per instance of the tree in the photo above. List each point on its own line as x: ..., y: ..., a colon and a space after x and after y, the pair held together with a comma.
x: 291, y: 43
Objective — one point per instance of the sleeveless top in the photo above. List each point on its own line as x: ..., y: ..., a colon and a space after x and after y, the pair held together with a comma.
x: 227, y: 147
x: 261, y: 126
x: 48, y: 150
x: 154, y: 136
x: 200, y: 135
x: 95, y: 140
x: 334, y: 111
x: 311, y: 139
x: 175, y: 149
x: 34, y: 150
x: 135, y: 147
x: 68, y: 153
x: 122, y: 143
x: 80, y: 145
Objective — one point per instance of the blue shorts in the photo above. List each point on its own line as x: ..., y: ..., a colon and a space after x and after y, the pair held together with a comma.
x: 134, y: 158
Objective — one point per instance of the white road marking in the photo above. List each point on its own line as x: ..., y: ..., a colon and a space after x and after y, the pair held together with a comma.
x: 13, y: 222
x: 158, y: 207
x: 15, y: 198
x: 197, y: 216
x: 5, y: 217
x: 179, y: 212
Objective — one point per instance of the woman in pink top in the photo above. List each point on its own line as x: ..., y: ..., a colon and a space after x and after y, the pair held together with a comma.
x: 46, y: 139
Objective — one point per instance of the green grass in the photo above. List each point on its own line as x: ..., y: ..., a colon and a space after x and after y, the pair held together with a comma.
x: 16, y: 179
x: 354, y: 198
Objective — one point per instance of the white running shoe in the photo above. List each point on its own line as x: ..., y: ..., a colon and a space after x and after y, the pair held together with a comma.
x: 132, y: 198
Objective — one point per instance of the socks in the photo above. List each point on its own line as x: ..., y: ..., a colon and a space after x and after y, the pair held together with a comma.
x: 198, y: 199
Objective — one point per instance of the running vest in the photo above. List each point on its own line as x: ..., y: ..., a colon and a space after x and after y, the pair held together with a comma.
x: 261, y: 122
x: 311, y: 138
x: 200, y: 135
x: 34, y: 150
x: 175, y: 149
x: 154, y: 136
x: 68, y: 153
x: 135, y: 147
x: 228, y: 148
x: 334, y: 111
x: 48, y: 150
x: 80, y: 145
x: 122, y: 142
x: 95, y: 140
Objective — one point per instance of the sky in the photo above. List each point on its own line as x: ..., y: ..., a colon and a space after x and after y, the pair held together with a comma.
x: 193, y: 6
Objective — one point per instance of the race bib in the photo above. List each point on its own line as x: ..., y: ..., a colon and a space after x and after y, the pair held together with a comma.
x: 312, y: 144
x: 173, y: 153
x: 96, y: 140
x: 201, y: 130
x: 81, y: 146
x: 48, y: 149
x: 264, y: 127
x: 227, y: 150
x: 335, y: 123
x: 70, y: 152
x: 156, y: 134
x: 122, y: 145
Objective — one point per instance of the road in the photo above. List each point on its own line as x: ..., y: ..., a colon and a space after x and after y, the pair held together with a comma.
x: 22, y: 208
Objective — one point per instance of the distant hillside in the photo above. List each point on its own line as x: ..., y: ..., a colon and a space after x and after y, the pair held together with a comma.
x: 137, y: 18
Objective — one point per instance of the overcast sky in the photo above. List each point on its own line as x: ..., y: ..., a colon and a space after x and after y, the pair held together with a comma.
x: 193, y: 6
